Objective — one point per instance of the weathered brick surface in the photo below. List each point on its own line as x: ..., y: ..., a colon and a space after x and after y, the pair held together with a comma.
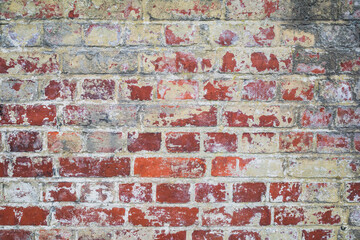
x: 179, y: 119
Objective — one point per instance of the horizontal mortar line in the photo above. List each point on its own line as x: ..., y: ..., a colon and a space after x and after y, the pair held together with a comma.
x: 203, y: 130
x: 177, y: 21
x: 187, y: 228
x: 160, y: 103
x: 191, y: 154
x: 201, y: 47
x: 193, y: 204
x: 163, y: 104
x: 195, y: 102
x: 148, y: 50
x: 198, y: 76
x: 213, y: 74
x: 211, y: 180
x: 220, y: 127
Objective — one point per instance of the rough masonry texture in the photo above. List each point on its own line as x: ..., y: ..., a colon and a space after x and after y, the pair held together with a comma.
x: 179, y: 119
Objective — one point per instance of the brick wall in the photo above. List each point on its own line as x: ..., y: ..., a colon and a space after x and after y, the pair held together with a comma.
x: 176, y: 119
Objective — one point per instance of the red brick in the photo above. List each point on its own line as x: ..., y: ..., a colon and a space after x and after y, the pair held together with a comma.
x: 353, y: 192
x: 296, y: 142
x: 97, y: 192
x: 172, y: 193
x: 94, y: 167
x: 59, y: 90
x: 225, y: 166
x: 98, y: 89
x: 311, y: 61
x: 220, y: 90
x: 236, y: 216
x: 177, y: 62
x: 182, y: 142
x: 251, y: 116
x: 89, y: 216
x: 297, y: 36
x: 4, y: 166
x: 60, y: 192
x: 245, y: 234
x: 311, y: 68
x: 270, y: 62
x: 248, y: 35
x: 296, y: 90
x: 336, y: 91
x: 246, y: 61
x: 137, y: 90
x: 64, y: 142
x: 325, y: 216
x: 58, y: 234
x: 229, y: 63
x: 180, y: 34
x: 169, y: 167
x: 34, y: 115
x: 261, y: 142
x: 317, y: 234
x: 285, y: 192
x: 249, y: 192
x: 177, y: 90
x: 226, y: 35
x: 289, y: 215
x: 40, y: 10
x: 144, y: 142
x: 220, y: 142
x: 150, y: 234
x: 209, y: 192
x: 25, y: 63
x: 31, y: 215
x: 319, y: 117
x: 207, y: 235
x: 32, y: 167
x: 259, y: 90
x: 348, y: 117
x: 246, y: 167
x: 135, y: 192
x: 165, y: 235
x: 309, y: 216
x: 357, y: 142
x: 251, y: 10
x: 16, y: 234
x: 349, y: 65
x: 163, y: 216
x: 108, y: 142
x: 181, y: 116
x: 333, y: 142
x: 25, y: 141
x: 260, y: 36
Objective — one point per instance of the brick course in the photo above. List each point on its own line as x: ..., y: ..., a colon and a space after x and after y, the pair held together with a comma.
x: 176, y: 119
